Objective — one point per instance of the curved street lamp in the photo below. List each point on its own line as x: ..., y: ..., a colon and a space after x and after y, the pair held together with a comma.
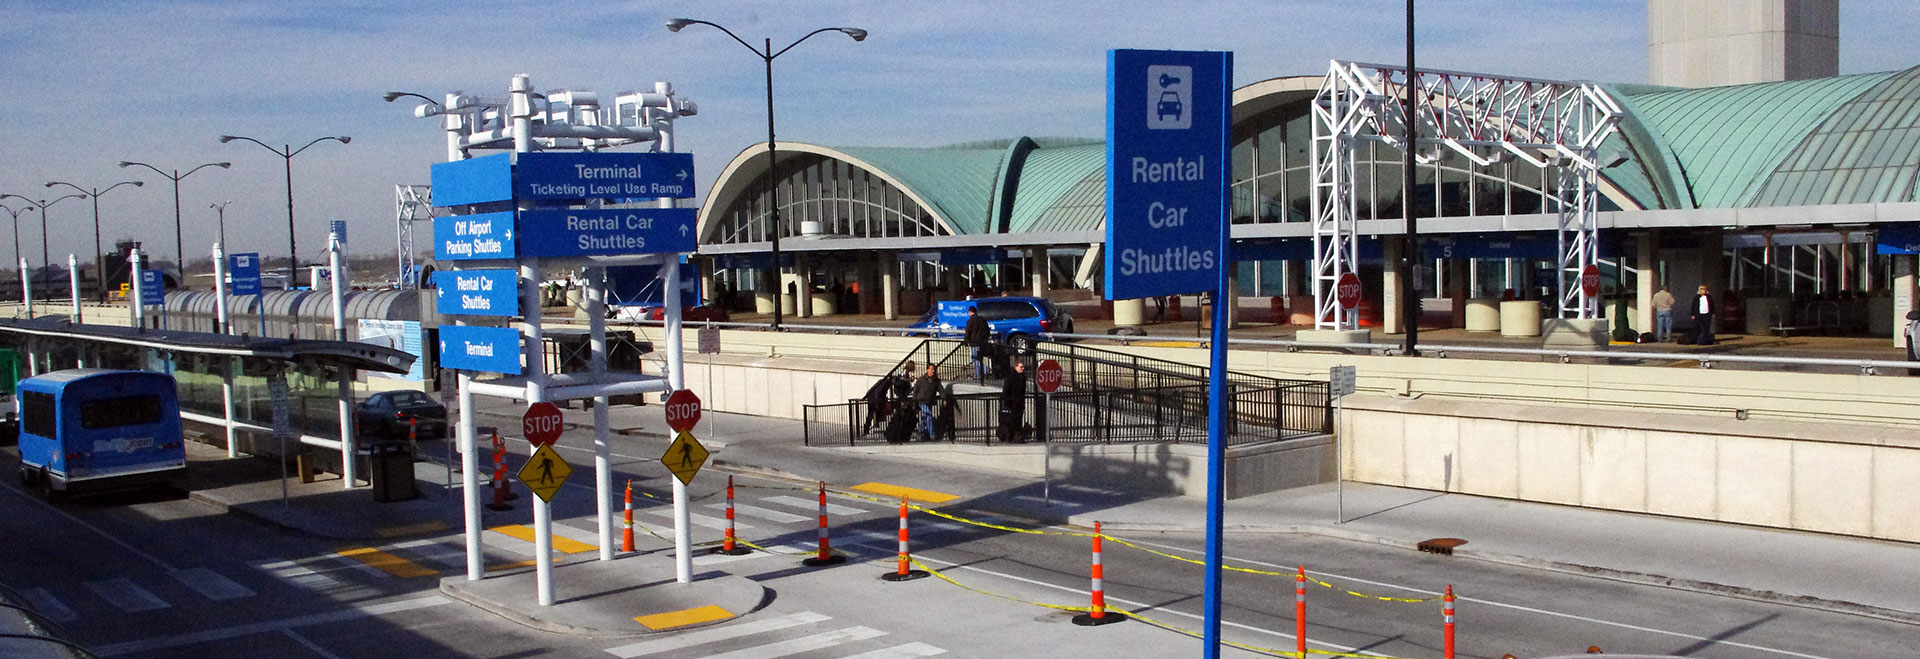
x: 287, y: 152
x: 99, y: 257
x: 45, y: 265
x: 767, y: 55
x: 179, y: 252
x: 221, y: 208
x: 16, y: 224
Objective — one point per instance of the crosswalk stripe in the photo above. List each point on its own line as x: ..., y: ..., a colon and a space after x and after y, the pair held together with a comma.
x: 697, y: 519
x: 211, y: 584
x: 297, y: 574
x: 907, y: 651
x: 388, y: 563
x: 814, y: 505
x: 127, y: 596
x: 47, y: 605
x: 802, y: 644
x: 774, y: 516
x: 721, y: 633
x: 433, y: 550
x: 508, y: 544
x: 561, y: 543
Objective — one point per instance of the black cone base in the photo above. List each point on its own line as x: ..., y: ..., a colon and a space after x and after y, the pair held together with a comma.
x: 909, y: 576
x: 736, y: 551
x: 831, y: 559
x: 1087, y: 619
x: 499, y: 506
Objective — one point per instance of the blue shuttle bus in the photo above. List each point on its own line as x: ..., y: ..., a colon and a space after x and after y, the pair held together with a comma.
x: 91, y: 430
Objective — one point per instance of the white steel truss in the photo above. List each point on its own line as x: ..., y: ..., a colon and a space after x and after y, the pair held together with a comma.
x: 412, y: 204
x: 1484, y: 118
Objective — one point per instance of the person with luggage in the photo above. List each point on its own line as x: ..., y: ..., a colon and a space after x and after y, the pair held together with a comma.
x: 1662, y: 315
x: 1013, y: 403
x: 926, y: 394
x: 882, y: 396
x: 977, y: 336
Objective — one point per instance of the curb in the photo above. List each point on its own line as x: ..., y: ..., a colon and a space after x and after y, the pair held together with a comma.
x: 265, y: 520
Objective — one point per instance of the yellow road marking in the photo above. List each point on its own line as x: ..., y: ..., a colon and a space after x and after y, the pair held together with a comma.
x: 693, y: 616
x: 895, y: 492
x: 560, y: 542
x: 388, y: 563
x: 1168, y: 344
x: 410, y: 529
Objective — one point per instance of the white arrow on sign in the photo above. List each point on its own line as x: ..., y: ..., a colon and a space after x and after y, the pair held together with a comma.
x: 683, y: 175
x: 683, y: 230
x: 443, y: 346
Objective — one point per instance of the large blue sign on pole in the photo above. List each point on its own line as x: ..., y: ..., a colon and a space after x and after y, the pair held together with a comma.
x: 470, y: 237
x: 1167, y: 170
x: 473, y: 181
x: 489, y: 349
x: 244, y: 272
x: 477, y: 292
x: 604, y: 232
x: 152, y: 288
x: 551, y: 176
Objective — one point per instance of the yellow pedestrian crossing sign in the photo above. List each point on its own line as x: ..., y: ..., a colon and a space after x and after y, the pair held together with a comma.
x: 684, y: 457
x: 546, y: 472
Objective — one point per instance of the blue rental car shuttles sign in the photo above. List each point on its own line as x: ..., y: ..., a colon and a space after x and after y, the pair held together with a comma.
x: 607, y: 232
x: 559, y: 176
x: 472, y: 237
x: 1167, y: 170
x: 477, y: 292
x: 244, y: 272
x: 490, y: 349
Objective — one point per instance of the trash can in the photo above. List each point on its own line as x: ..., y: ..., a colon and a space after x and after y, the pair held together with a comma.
x: 391, y: 467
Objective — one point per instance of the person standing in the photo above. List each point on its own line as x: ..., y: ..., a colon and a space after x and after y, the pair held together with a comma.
x: 1703, y: 310
x: 977, y: 336
x: 1013, y: 403
x: 1662, y: 315
x: 926, y: 393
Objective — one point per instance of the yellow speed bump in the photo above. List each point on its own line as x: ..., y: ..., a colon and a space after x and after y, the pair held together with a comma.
x: 388, y: 563
x: 895, y: 492
x: 693, y: 616
x: 562, y: 543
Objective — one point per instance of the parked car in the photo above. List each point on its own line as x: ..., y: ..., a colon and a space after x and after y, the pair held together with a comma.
x: 389, y: 414
x: 1014, y: 320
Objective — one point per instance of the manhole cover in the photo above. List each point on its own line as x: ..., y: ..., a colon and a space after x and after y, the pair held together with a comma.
x: 629, y: 431
x: 1443, y: 546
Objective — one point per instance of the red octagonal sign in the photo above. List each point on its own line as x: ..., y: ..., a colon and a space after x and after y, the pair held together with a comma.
x: 683, y: 410
x: 1590, y: 280
x: 541, y: 424
x: 1048, y: 376
x: 1347, y: 290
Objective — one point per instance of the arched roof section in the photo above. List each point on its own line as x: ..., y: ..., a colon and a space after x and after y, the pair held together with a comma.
x: 1862, y: 154
x: 959, y: 205
x: 1062, y: 189
x: 1266, y: 95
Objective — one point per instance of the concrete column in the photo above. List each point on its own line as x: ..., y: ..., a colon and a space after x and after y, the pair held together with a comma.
x: 1232, y: 298
x: 1457, y: 281
x: 890, y: 285
x: 709, y: 290
x: 1391, y: 320
x: 1643, y: 259
x: 956, y: 282
x: 1037, y: 270
x: 1904, y: 266
x: 803, y: 285
x: 1128, y: 313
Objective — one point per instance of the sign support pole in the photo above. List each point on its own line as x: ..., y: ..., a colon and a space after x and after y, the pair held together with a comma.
x: 134, y: 297
x: 676, y: 379
x: 1339, y: 469
x: 73, y: 284
x: 602, y: 444
x: 469, y: 477
x: 336, y: 267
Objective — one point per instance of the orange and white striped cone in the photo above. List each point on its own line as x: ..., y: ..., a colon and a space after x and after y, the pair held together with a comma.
x: 500, y: 493
x: 626, y: 535
x: 1098, y: 613
x: 1300, y: 613
x: 826, y: 556
x: 905, y: 572
x: 1446, y: 609
x: 729, y: 545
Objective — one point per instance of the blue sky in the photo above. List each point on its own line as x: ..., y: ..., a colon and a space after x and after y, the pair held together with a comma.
x: 91, y: 83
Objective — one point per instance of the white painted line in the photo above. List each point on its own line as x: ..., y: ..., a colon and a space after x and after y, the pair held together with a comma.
x: 211, y: 584
x: 123, y: 594
x: 712, y: 634
x: 47, y: 605
x: 298, y: 575
x: 433, y: 550
x: 907, y: 651
x: 774, y: 516
x: 351, y: 613
x: 1041, y: 500
x: 813, y: 505
x: 310, y: 645
x: 697, y: 519
x: 803, y: 644
x: 716, y: 559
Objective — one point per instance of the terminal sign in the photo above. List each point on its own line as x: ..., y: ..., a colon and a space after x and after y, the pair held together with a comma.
x: 489, y: 349
x: 559, y: 176
x: 1167, y: 170
x: 477, y: 292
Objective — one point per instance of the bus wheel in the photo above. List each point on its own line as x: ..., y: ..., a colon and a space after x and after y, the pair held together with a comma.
x: 46, y: 487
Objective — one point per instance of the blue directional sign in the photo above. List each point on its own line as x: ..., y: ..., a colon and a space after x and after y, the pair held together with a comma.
x: 477, y: 292
x: 606, y: 232
x: 152, y: 288
x: 243, y: 271
x: 586, y: 175
x: 489, y: 349
x: 470, y: 237
x: 473, y: 181
x: 1167, y: 170
x: 338, y: 230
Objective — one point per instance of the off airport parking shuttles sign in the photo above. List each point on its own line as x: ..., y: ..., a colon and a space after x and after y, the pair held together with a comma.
x: 1167, y: 170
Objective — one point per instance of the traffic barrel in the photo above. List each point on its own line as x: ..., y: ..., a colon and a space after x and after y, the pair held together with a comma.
x: 905, y: 571
x: 1300, y: 613
x: 728, y: 545
x: 1446, y: 605
x: 626, y: 535
x: 826, y: 556
x: 1098, y: 613
x: 500, y: 493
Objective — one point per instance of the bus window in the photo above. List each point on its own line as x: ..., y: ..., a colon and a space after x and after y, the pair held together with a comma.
x: 123, y: 411
x: 38, y: 413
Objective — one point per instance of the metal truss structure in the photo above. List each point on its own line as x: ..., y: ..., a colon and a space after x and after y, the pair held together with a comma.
x: 560, y: 120
x: 1484, y: 118
x: 412, y: 203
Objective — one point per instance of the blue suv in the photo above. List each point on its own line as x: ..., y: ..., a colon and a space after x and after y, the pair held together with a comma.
x: 1014, y: 320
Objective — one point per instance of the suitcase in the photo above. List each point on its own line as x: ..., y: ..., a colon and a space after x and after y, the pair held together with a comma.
x: 900, y: 425
x: 1647, y: 337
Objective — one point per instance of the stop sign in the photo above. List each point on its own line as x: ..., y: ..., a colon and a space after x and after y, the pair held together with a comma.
x: 1590, y: 280
x: 1347, y: 290
x: 1048, y: 376
x: 683, y: 410
x: 541, y: 424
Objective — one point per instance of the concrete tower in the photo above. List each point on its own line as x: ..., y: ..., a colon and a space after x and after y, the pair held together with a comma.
x: 1709, y: 43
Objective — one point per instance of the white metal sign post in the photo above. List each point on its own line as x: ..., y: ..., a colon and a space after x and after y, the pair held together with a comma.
x: 1340, y: 381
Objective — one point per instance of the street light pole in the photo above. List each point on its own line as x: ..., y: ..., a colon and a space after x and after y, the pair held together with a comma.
x: 1410, y: 256
x: 287, y: 152
x: 42, y: 204
x: 221, y: 208
x: 99, y: 254
x: 767, y: 55
x: 16, y: 227
x: 179, y: 250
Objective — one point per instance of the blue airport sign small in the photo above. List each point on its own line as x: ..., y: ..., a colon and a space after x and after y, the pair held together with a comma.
x: 588, y: 175
x: 153, y: 290
x: 473, y: 237
x: 1167, y: 170
x: 477, y: 292
x: 489, y: 349
x: 243, y: 273
x: 607, y: 232
x: 337, y: 229
x: 473, y: 181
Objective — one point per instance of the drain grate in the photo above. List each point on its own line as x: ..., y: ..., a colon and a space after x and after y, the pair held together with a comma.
x: 1442, y: 546
x: 629, y: 432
